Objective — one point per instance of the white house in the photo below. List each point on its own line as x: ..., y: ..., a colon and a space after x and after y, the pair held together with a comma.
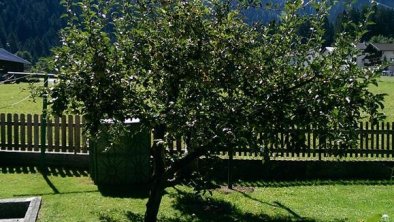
x: 376, y: 53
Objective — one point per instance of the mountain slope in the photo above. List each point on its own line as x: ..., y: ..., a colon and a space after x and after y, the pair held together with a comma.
x: 29, y: 25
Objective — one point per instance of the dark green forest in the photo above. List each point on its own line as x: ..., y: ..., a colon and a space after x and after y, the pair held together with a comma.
x: 29, y: 28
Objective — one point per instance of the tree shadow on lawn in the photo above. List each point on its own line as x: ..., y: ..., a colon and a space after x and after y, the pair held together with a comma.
x: 108, y: 191
x: 295, y: 183
x: 131, y: 191
x: 197, y: 208
x: 210, y: 209
x: 275, y: 204
x: 49, y: 171
x: 55, y: 190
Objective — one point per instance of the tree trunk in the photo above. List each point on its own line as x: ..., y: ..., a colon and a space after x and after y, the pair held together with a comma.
x: 158, y: 184
x: 192, y: 166
x: 161, y: 175
x: 155, y: 196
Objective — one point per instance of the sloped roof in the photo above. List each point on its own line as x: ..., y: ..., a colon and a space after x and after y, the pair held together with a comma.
x: 383, y: 46
x: 361, y: 46
x: 7, y: 56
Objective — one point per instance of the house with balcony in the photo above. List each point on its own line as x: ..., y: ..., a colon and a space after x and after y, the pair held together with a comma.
x: 379, y: 53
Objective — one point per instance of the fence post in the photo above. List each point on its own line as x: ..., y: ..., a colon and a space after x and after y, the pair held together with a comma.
x: 15, y: 140
x: 3, y: 132
x: 230, y: 166
x: 43, y: 124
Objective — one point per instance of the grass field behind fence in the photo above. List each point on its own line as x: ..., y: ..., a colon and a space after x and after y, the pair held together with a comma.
x: 72, y: 196
x: 15, y: 98
x: 386, y: 85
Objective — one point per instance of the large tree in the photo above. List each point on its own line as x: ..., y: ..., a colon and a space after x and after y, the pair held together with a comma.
x: 195, y: 69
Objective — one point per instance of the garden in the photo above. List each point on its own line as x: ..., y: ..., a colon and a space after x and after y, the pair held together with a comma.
x: 211, y: 117
x: 69, y: 193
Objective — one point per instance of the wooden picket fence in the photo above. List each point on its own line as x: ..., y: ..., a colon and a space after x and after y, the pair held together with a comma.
x: 20, y: 132
x: 374, y: 142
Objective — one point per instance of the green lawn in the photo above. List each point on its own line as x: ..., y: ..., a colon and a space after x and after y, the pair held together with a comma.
x: 71, y: 196
x: 15, y: 98
x: 386, y: 85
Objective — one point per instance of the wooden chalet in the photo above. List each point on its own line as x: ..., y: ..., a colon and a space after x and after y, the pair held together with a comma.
x: 11, y: 63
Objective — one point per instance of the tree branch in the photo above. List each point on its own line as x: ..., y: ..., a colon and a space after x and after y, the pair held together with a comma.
x: 184, y: 161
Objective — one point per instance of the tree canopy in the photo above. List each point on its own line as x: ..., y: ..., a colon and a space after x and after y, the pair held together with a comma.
x: 195, y: 69
x: 381, y: 39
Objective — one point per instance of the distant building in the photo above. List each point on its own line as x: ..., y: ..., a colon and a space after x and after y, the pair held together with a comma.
x: 362, y: 46
x: 11, y: 63
x: 376, y: 53
x: 373, y: 54
x: 361, y: 58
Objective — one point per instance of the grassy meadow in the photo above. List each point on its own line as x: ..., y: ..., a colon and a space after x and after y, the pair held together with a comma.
x: 71, y: 196
x: 16, y: 98
x: 386, y: 85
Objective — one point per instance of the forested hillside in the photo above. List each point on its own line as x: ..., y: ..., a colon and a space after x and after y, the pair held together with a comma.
x: 30, y: 27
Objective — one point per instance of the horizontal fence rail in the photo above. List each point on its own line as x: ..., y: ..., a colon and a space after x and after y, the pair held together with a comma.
x: 22, y: 132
